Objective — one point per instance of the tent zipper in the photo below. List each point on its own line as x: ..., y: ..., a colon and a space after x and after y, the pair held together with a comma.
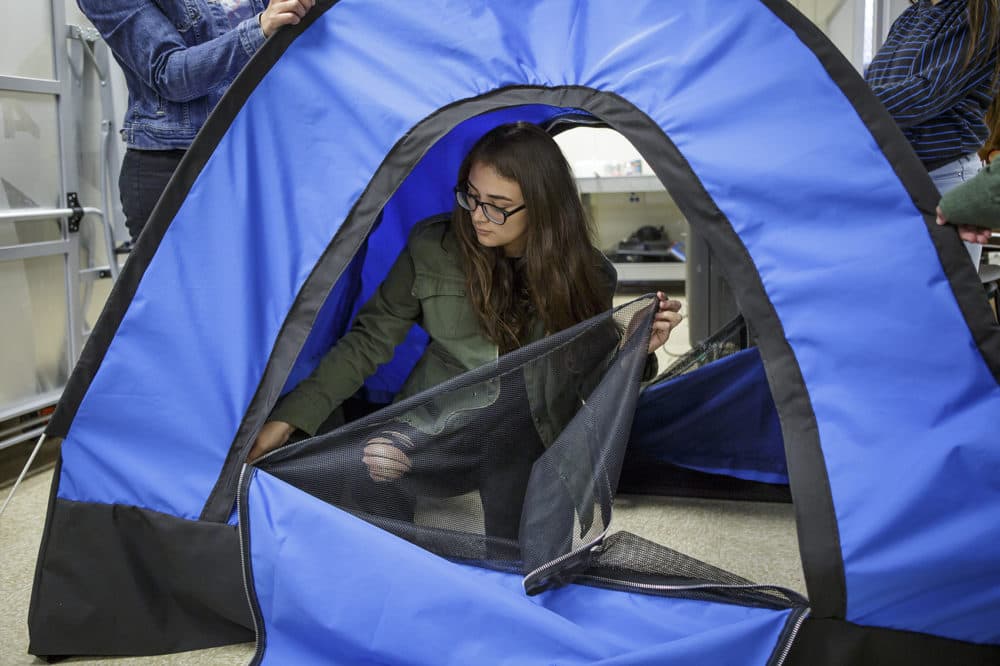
x: 244, y: 562
x: 799, y: 612
x: 595, y: 546
x: 803, y: 614
x: 654, y: 587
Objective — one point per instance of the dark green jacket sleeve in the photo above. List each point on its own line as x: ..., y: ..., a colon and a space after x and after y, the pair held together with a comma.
x: 381, y: 324
x: 977, y: 201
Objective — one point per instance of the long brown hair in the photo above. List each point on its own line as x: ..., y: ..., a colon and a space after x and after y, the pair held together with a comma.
x: 983, y: 16
x: 984, y: 24
x: 993, y: 123
x: 559, y: 279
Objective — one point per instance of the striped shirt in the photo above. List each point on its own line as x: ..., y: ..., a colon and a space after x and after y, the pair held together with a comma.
x: 920, y: 76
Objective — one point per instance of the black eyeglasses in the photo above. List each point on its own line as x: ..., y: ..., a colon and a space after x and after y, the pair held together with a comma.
x: 494, y: 214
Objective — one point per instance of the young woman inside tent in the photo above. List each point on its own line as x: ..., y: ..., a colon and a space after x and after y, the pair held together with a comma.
x: 514, y: 263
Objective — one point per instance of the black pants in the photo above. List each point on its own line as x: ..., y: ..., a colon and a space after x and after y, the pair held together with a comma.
x: 144, y: 176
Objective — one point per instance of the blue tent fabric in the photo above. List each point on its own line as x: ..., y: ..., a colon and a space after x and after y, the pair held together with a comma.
x: 332, y: 589
x: 880, y: 352
x: 718, y: 419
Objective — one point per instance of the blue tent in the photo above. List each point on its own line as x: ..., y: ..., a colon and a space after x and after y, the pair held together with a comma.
x: 299, y: 193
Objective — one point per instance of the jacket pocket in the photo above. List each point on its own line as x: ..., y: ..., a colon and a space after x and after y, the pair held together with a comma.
x: 184, y: 15
x: 446, y: 311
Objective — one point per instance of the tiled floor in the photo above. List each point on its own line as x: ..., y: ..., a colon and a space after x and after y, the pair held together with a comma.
x: 754, y: 540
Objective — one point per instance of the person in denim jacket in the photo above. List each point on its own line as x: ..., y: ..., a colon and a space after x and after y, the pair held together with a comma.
x: 178, y: 56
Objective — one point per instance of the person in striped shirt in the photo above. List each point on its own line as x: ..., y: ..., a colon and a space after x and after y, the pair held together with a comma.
x: 936, y: 74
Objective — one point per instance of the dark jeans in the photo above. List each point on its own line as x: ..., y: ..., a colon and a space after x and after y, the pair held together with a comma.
x: 144, y: 176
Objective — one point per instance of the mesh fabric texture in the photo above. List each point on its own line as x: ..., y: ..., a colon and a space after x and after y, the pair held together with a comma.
x: 465, y: 470
x: 471, y: 469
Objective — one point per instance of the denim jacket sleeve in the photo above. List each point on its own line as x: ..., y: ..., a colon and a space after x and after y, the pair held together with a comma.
x: 156, y: 49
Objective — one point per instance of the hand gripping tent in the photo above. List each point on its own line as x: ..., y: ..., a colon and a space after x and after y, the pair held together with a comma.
x: 876, y: 344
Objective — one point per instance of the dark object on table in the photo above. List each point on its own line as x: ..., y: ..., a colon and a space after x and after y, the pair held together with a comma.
x: 647, y: 243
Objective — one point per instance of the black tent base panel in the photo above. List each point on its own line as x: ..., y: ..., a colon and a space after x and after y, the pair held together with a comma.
x: 647, y: 478
x: 826, y: 642
x: 124, y: 581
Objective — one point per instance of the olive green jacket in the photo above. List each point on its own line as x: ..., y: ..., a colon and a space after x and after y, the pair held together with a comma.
x: 426, y: 286
x: 976, y: 201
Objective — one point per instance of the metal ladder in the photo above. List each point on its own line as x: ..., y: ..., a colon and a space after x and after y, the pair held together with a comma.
x: 74, y: 50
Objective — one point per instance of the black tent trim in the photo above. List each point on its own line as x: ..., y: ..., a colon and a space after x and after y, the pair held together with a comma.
x: 117, y: 579
x: 829, y: 642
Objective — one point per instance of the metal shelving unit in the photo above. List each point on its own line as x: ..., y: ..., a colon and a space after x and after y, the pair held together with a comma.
x: 658, y: 272
x: 619, y: 184
x: 72, y: 47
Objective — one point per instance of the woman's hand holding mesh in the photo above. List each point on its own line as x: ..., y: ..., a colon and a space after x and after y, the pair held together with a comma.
x: 667, y: 318
x: 384, y: 457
